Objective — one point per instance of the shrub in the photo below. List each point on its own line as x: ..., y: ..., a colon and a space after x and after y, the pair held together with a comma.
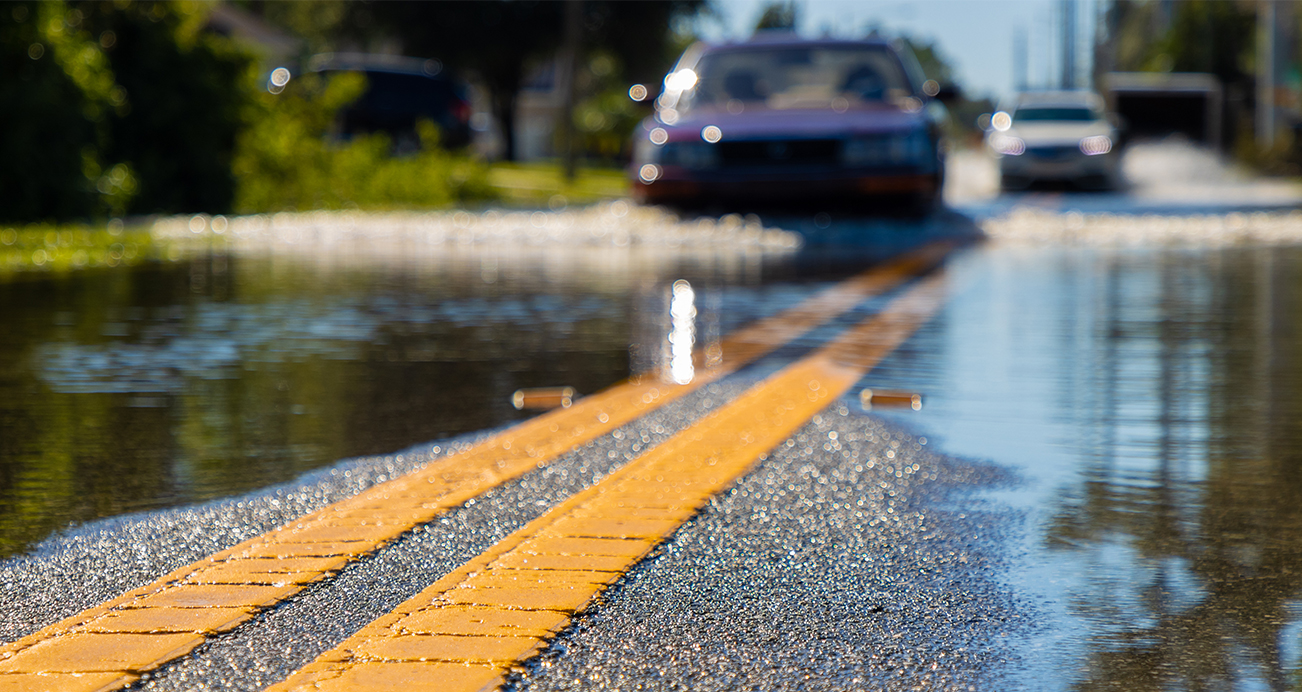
x: 57, y: 91
x: 288, y: 159
x: 134, y: 108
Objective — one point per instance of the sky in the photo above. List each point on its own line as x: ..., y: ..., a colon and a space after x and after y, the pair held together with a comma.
x: 975, y: 35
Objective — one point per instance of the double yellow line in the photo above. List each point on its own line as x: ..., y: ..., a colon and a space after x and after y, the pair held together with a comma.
x: 477, y: 622
x: 468, y: 629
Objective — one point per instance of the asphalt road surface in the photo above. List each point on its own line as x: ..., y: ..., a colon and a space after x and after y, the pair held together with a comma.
x: 1094, y: 494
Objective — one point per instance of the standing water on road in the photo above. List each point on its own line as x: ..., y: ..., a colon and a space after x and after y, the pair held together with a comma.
x: 1146, y: 391
x: 1151, y: 397
x: 276, y: 345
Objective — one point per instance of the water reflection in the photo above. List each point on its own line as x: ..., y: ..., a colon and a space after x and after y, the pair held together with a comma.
x: 1153, y: 398
x: 1189, y: 499
x: 682, y: 334
x: 169, y: 383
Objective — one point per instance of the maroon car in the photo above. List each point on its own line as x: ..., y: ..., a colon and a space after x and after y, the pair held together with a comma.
x: 786, y: 119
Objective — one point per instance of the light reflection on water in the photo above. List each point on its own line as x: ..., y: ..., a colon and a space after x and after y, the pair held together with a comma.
x: 1153, y: 399
x: 165, y: 384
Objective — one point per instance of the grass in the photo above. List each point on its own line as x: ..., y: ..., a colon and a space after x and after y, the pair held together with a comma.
x: 537, y: 184
x: 62, y: 247
x: 49, y: 247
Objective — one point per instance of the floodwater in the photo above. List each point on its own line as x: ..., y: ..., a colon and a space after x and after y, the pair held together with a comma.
x: 1149, y: 398
x: 169, y: 383
x: 1152, y: 401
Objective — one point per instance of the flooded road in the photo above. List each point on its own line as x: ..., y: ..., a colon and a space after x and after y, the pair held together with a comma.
x: 166, y: 384
x: 1136, y: 395
x: 1150, y: 398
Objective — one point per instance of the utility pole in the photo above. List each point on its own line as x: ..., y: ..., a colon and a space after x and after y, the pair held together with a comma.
x: 1068, y: 44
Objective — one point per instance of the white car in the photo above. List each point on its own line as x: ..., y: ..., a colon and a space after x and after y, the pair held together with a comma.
x: 1058, y: 136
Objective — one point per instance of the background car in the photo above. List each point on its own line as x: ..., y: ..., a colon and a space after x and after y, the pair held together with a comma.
x: 787, y: 119
x: 400, y: 91
x: 1058, y: 136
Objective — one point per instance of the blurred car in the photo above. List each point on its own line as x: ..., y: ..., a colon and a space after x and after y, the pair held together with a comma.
x: 788, y: 119
x: 399, y: 92
x: 1059, y: 136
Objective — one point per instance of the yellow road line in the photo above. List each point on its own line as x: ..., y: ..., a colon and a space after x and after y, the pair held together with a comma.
x: 468, y: 629
x: 108, y: 646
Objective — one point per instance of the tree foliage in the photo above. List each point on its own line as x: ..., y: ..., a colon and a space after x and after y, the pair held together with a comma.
x: 934, y: 63
x: 500, y: 42
x: 1212, y: 36
x: 135, y: 108
x: 779, y: 16
x: 115, y: 108
x: 186, y: 91
x: 57, y: 89
x: 287, y: 160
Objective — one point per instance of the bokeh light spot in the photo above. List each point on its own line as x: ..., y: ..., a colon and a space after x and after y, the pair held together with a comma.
x: 681, y: 80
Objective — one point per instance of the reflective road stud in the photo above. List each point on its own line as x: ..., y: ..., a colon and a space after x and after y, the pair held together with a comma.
x: 107, y: 638
x: 555, y: 565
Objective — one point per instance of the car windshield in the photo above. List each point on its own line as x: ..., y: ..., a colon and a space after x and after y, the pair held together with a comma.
x: 1057, y: 114
x: 783, y: 77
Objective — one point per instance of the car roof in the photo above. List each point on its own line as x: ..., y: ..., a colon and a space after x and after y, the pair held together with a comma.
x: 783, y: 39
x: 372, y: 62
x: 767, y: 39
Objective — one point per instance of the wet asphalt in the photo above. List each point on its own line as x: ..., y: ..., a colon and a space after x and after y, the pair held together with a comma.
x: 852, y: 557
x: 856, y: 556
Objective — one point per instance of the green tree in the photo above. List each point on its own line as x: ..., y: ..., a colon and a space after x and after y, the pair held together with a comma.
x: 186, y: 92
x: 59, y: 95
x: 780, y: 16
x: 935, y: 64
x: 286, y: 158
x: 502, y: 41
x: 1214, y: 36
x: 114, y: 108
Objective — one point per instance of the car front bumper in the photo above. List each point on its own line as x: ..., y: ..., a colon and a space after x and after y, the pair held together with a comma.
x: 680, y: 185
x: 1069, y: 167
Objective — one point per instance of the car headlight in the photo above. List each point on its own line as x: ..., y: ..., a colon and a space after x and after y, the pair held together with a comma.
x: 912, y: 148
x: 1096, y: 145
x: 1007, y: 145
x: 690, y: 154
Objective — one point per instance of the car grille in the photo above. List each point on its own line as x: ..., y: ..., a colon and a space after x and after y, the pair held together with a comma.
x: 794, y: 152
x: 1053, y: 153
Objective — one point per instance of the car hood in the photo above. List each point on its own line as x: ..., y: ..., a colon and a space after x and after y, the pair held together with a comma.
x: 768, y: 124
x: 1042, y: 133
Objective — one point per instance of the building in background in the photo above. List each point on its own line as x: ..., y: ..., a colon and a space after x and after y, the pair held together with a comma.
x: 1150, y: 55
x: 1279, y: 79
